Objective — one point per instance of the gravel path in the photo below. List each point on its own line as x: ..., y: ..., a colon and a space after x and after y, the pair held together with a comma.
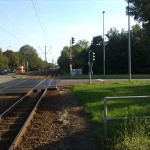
x: 60, y: 124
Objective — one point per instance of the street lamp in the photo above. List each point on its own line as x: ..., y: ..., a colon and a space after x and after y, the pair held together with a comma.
x: 103, y: 47
x: 129, y: 45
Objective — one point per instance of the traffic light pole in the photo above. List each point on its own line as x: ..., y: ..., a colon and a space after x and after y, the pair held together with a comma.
x: 91, y: 61
x: 70, y: 65
x: 89, y: 68
x: 72, y: 41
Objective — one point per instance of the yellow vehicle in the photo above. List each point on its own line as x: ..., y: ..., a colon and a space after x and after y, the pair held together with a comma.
x: 20, y: 70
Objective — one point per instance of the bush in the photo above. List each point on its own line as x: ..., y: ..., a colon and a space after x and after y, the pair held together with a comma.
x: 136, y: 136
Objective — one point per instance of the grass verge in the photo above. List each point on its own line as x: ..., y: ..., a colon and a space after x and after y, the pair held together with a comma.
x: 122, y: 134
x: 115, y: 76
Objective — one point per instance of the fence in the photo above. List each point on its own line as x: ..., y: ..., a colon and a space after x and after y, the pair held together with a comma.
x: 115, y: 118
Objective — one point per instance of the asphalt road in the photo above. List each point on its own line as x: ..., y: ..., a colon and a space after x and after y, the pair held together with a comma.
x: 6, y: 78
x: 8, y: 84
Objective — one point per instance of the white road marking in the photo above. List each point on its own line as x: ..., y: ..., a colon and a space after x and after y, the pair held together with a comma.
x: 100, y: 79
x: 12, y: 85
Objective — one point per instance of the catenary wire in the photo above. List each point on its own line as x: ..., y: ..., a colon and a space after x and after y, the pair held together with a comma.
x: 12, y: 23
x: 44, y: 26
x: 12, y: 35
x: 39, y: 22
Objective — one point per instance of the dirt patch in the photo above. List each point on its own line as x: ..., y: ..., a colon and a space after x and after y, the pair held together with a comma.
x: 61, y: 124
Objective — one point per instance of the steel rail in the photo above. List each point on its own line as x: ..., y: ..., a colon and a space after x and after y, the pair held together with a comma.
x: 16, y: 103
x: 21, y: 133
x: 19, y: 136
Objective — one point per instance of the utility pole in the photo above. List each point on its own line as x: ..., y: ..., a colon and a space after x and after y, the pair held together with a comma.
x: 72, y: 41
x: 89, y: 67
x: 90, y: 63
x: 27, y: 67
x: 129, y: 45
x: 103, y: 47
x: 45, y: 61
x: 45, y: 53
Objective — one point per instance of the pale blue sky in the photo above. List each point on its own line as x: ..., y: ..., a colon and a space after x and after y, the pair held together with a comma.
x: 61, y: 20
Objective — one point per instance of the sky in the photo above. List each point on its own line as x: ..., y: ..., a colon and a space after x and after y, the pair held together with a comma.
x: 50, y: 24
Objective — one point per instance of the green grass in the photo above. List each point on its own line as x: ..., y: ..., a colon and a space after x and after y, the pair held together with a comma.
x: 120, y: 131
x: 20, y: 76
x: 115, y: 76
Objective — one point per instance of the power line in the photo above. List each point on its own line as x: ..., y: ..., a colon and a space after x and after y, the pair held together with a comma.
x: 11, y: 23
x: 42, y: 20
x: 12, y: 35
x: 39, y: 21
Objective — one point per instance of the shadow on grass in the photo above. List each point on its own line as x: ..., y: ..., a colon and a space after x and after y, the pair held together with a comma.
x: 92, y: 98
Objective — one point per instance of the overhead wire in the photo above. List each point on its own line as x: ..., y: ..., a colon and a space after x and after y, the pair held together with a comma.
x: 39, y: 22
x: 44, y: 26
x: 44, y: 29
x: 9, y: 20
x: 11, y: 35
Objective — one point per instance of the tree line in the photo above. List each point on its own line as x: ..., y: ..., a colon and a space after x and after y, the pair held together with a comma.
x: 11, y: 60
x: 116, y: 47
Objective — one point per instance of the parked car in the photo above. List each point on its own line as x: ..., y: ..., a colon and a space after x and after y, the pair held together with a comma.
x: 3, y: 71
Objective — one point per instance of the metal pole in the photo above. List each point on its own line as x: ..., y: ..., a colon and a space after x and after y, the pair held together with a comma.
x: 105, y: 117
x: 27, y: 67
x: 129, y: 45
x: 103, y: 47
x: 89, y: 68
x: 70, y: 57
x: 45, y: 62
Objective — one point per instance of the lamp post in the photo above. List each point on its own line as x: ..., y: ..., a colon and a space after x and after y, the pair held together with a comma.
x: 103, y: 47
x: 129, y: 45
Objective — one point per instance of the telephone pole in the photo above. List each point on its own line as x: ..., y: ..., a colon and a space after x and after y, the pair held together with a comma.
x: 103, y: 47
x: 45, y: 53
x: 129, y: 45
x: 72, y: 41
x: 45, y: 61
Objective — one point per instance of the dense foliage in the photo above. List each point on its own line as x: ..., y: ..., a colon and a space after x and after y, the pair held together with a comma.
x: 116, y: 52
x: 122, y: 134
x: 11, y: 60
x: 116, y: 49
x: 116, y: 46
x: 77, y: 53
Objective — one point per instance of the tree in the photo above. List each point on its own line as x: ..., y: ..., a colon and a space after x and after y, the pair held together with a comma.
x: 97, y: 48
x: 63, y: 60
x: 116, y: 51
x: 3, y: 61
x: 14, y: 59
x: 79, y: 55
x: 140, y: 10
x: 30, y: 55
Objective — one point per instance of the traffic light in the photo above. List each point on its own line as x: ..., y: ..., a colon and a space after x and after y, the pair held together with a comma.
x: 72, y: 40
x: 93, y: 56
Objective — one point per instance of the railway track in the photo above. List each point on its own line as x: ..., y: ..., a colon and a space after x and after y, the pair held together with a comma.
x: 16, y: 119
x: 15, y: 122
